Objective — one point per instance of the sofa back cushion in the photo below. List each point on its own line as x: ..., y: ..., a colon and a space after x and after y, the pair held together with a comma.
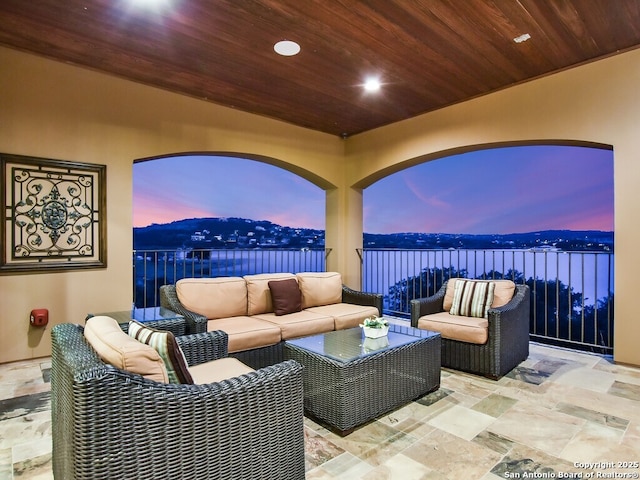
x: 220, y: 297
x: 502, y: 294
x: 258, y: 293
x: 118, y: 349
x: 320, y: 288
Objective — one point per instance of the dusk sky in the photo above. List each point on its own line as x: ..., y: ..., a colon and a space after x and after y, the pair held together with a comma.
x: 506, y: 190
x: 175, y: 188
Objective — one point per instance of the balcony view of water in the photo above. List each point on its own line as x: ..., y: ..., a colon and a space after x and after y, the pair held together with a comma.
x: 589, y: 273
x: 572, y: 291
x: 559, y: 196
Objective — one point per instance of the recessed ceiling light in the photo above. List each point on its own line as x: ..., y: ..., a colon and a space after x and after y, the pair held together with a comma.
x: 287, y: 48
x: 151, y: 3
x: 522, y: 38
x: 372, y: 84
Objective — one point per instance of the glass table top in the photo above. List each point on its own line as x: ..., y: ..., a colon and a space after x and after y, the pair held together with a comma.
x: 351, y: 344
x: 142, y: 314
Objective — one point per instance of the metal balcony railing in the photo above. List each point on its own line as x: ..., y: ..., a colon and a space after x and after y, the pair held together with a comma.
x: 153, y: 268
x: 571, y: 292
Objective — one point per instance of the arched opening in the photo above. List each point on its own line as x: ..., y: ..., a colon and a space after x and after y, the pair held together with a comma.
x: 209, y: 215
x: 540, y: 214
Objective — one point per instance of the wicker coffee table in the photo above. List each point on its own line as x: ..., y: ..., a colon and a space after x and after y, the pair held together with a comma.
x: 349, y: 379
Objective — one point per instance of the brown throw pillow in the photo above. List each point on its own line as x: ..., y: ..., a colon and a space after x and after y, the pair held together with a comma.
x: 286, y: 296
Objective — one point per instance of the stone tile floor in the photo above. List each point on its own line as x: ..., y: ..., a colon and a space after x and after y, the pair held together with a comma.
x: 551, y: 417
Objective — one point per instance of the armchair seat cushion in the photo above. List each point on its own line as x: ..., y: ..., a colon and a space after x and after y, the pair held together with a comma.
x: 218, y: 370
x: 346, y: 315
x: 246, y: 333
x: 299, y: 324
x: 455, y: 327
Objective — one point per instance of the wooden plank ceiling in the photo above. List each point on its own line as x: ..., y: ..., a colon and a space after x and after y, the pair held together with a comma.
x: 427, y: 53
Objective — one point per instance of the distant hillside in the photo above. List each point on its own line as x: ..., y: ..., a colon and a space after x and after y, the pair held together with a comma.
x: 566, y: 240
x: 223, y: 233
x: 245, y: 233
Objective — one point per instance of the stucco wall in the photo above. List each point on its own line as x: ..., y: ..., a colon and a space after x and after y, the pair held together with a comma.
x: 55, y: 110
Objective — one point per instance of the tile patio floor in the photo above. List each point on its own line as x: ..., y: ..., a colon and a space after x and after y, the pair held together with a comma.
x: 557, y: 408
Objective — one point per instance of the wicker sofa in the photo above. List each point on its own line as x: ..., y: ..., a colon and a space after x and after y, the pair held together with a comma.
x: 244, y: 308
x: 109, y: 423
x: 492, y: 345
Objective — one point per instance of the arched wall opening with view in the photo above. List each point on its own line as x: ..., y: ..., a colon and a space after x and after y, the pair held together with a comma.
x: 540, y: 214
x: 212, y: 215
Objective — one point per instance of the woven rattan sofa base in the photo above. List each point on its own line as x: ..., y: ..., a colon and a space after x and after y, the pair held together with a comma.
x: 261, y: 357
x: 345, y: 395
x: 110, y: 424
x: 508, y: 336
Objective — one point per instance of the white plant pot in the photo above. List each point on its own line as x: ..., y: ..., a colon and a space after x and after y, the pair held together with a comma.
x: 371, y: 345
x: 375, y: 332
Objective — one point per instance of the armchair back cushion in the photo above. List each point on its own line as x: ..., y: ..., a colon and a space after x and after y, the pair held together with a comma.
x: 258, y: 292
x: 502, y: 294
x: 220, y: 297
x: 116, y: 348
x: 320, y: 288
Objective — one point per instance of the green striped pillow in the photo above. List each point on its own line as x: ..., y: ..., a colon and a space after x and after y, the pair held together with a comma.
x: 472, y: 298
x: 165, y: 344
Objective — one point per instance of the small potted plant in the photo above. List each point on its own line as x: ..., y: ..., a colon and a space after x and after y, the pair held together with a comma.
x: 375, y: 327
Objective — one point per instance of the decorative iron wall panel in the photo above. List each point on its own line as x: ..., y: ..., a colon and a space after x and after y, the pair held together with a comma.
x: 54, y: 214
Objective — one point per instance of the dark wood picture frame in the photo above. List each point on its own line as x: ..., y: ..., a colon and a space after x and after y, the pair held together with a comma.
x: 54, y: 215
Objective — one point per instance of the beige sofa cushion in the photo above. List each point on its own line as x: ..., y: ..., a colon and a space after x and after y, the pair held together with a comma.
x: 116, y: 348
x: 346, y: 315
x: 454, y: 327
x: 258, y: 293
x: 503, y: 293
x: 299, y: 324
x: 246, y: 333
x: 220, y: 297
x: 218, y: 370
x: 320, y: 288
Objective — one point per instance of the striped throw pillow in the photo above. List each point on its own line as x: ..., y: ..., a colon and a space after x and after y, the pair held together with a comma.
x: 165, y: 344
x: 472, y: 298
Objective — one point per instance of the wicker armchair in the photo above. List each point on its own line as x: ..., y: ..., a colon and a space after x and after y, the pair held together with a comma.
x: 110, y: 424
x: 508, y: 336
